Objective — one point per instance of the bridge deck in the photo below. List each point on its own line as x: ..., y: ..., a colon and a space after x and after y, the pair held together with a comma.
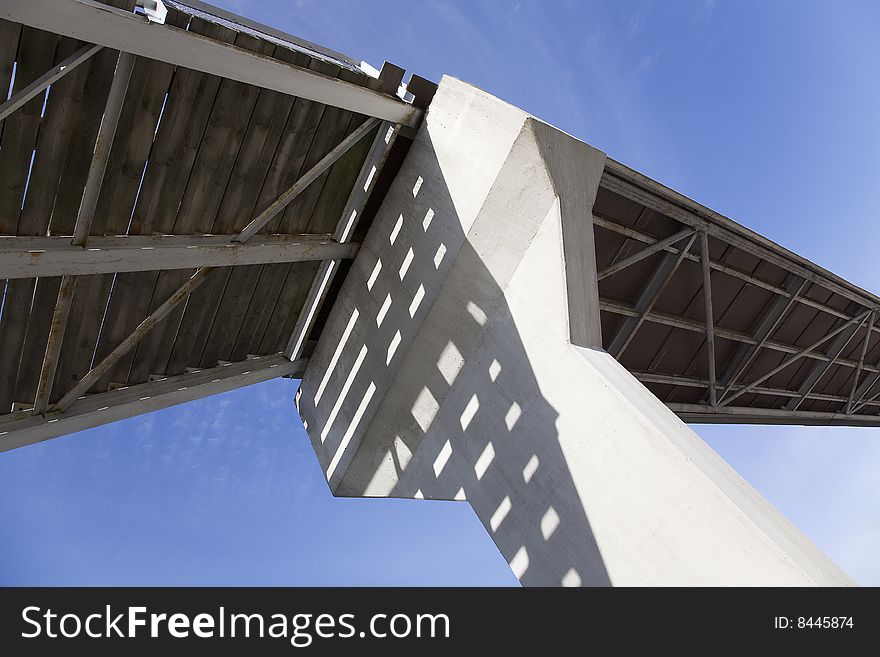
x: 793, y: 343
x: 189, y: 154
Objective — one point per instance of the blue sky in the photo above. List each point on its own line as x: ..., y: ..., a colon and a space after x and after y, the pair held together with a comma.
x: 763, y: 111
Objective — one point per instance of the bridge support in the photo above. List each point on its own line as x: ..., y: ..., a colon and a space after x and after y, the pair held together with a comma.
x: 463, y: 361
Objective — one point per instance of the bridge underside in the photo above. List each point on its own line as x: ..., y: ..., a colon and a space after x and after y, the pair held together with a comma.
x: 181, y: 219
x: 182, y: 212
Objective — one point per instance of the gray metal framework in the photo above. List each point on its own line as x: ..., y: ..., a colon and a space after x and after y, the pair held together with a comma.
x: 763, y: 367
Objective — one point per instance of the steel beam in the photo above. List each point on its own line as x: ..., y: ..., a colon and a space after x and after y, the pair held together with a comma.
x: 665, y: 319
x: 31, y: 257
x: 699, y: 414
x: 51, y: 76
x: 769, y: 322
x: 351, y: 214
x: 869, y: 401
x: 604, y: 222
x: 710, y: 317
x: 644, y: 253
x: 634, y: 186
x: 693, y: 382
x: 820, y: 369
x: 647, y: 298
x: 98, y: 23
x: 862, y: 354
x: 23, y: 428
x: 865, y: 388
x: 791, y: 359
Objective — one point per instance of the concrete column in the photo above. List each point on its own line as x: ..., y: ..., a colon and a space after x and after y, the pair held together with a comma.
x: 462, y: 362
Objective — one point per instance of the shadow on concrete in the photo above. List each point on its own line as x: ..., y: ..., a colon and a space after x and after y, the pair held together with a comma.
x: 448, y: 408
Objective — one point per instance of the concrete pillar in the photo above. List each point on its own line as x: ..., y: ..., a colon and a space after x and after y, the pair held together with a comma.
x: 462, y: 361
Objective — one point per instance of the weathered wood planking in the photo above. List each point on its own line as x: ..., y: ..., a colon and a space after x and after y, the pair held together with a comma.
x: 287, y: 306
x: 153, y: 352
x: 318, y: 209
x: 325, y: 216
x: 9, y: 37
x: 35, y: 55
x: 304, y: 123
x: 231, y: 214
x: 147, y: 90
x: 220, y: 149
x: 247, y: 340
x: 326, y: 209
x: 42, y: 187
x: 50, y: 192
x: 257, y: 152
x: 281, y: 285
x: 296, y: 155
x: 223, y: 151
x: 286, y: 167
x: 191, y: 98
x: 114, y: 207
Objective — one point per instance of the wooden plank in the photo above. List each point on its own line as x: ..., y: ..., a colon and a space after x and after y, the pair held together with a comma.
x: 150, y: 81
x: 39, y: 86
x: 196, y: 323
x: 54, y: 136
x: 57, y: 330
x: 106, y: 364
x: 305, y: 210
x: 103, y: 145
x: 87, y: 105
x: 56, y: 256
x: 290, y: 301
x: 154, y: 350
x: 220, y: 148
x: 289, y: 162
x: 188, y: 107
x: 10, y: 34
x: 92, y: 292
x: 36, y: 337
x: 328, y: 210
x: 89, y: 112
x: 252, y: 294
x: 62, y: 125
x: 231, y: 313
x: 78, y: 348
x: 20, y: 429
x: 58, y: 126
x: 320, y: 168
x: 82, y: 19
x: 303, y: 125
x: 334, y: 128
x: 247, y: 340
x: 13, y: 324
x: 36, y: 52
x: 251, y: 168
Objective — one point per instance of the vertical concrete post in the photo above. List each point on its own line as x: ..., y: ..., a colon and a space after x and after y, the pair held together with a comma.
x: 463, y: 361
